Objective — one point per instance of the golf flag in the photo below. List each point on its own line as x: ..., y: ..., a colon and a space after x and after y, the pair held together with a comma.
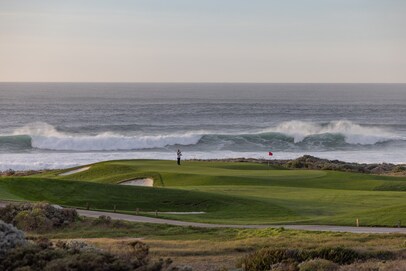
x: 270, y: 153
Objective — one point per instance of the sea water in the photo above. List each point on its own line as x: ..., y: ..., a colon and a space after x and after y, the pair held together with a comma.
x: 59, y: 125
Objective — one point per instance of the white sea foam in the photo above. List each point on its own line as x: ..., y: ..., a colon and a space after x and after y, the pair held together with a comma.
x: 45, y: 136
x: 352, y: 132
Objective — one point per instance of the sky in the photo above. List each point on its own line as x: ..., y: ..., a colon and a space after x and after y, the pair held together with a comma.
x: 292, y: 41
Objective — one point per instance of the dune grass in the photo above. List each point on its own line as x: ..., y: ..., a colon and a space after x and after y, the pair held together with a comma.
x: 230, y: 193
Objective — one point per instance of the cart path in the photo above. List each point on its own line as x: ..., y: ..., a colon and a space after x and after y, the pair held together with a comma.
x: 145, y: 219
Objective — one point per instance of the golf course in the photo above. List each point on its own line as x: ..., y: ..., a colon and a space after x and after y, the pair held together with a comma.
x: 220, y: 192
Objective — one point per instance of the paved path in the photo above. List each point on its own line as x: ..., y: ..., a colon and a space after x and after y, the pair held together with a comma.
x: 144, y: 219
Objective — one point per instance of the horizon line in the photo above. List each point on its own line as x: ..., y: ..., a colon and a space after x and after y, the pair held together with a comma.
x: 192, y: 82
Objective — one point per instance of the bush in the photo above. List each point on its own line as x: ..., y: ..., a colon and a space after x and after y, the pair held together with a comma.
x: 264, y: 258
x: 34, y: 220
x: 88, y: 261
x: 10, y: 237
x: 107, y: 222
x: 318, y: 265
x: 285, y: 265
x: 75, y: 246
x: 76, y: 255
x: 33, y: 257
x: 37, y: 216
x: 396, y: 265
x: 102, y: 220
x: 337, y: 254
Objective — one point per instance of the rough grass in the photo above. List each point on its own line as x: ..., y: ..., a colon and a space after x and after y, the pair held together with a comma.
x: 231, y: 193
x: 210, y: 249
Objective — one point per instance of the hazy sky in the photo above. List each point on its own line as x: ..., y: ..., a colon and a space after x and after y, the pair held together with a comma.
x: 203, y: 40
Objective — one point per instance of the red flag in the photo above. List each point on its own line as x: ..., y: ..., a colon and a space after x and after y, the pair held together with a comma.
x: 270, y: 153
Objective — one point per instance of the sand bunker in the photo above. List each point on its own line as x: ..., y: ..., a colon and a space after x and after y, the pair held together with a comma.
x: 139, y: 182
x: 182, y: 213
x: 74, y: 171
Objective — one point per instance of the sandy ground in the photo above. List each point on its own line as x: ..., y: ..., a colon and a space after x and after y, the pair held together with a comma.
x: 139, y: 182
x: 74, y: 171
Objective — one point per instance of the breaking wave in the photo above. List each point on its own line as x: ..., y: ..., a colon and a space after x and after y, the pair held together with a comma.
x: 286, y: 135
x: 353, y: 133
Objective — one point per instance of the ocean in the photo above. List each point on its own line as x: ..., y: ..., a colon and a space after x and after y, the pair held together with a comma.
x: 59, y: 125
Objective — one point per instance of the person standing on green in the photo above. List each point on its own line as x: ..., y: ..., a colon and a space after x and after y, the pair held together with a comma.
x: 179, y: 155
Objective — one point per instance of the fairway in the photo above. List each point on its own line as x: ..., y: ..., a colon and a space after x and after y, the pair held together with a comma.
x: 227, y: 193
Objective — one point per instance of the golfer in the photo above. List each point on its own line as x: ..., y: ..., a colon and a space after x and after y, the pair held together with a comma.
x: 179, y: 155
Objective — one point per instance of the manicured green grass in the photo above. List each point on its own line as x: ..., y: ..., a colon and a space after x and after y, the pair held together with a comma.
x: 228, y: 192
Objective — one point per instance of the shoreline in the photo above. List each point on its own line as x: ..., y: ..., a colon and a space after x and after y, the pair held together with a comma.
x: 304, y: 162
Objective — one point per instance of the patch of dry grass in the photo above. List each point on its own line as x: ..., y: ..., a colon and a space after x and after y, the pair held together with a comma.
x: 211, y: 254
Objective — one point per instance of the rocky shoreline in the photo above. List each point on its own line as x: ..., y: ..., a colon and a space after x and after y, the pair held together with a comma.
x: 311, y: 162
x: 303, y: 162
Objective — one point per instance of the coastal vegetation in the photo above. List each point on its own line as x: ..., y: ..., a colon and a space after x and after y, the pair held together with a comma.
x: 120, y: 244
x: 94, y: 243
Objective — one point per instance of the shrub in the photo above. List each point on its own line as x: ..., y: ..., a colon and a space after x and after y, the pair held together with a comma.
x: 102, y: 220
x: 75, y: 246
x: 396, y: 265
x: 34, y: 220
x: 33, y: 256
x: 37, y: 216
x: 264, y: 258
x: 75, y: 255
x: 318, y: 265
x: 88, y: 261
x: 10, y: 237
x: 285, y: 265
x: 337, y: 254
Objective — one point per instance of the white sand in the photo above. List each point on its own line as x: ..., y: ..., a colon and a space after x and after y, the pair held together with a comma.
x: 74, y: 171
x: 139, y: 182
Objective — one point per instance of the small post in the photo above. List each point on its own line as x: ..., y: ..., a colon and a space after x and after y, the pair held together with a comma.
x: 357, y: 222
x: 115, y: 208
x: 399, y: 224
x: 87, y: 206
x: 156, y: 213
x: 137, y: 211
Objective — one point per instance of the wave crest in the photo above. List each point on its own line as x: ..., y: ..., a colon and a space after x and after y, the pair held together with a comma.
x: 352, y: 133
x: 291, y: 135
x: 45, y: 136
